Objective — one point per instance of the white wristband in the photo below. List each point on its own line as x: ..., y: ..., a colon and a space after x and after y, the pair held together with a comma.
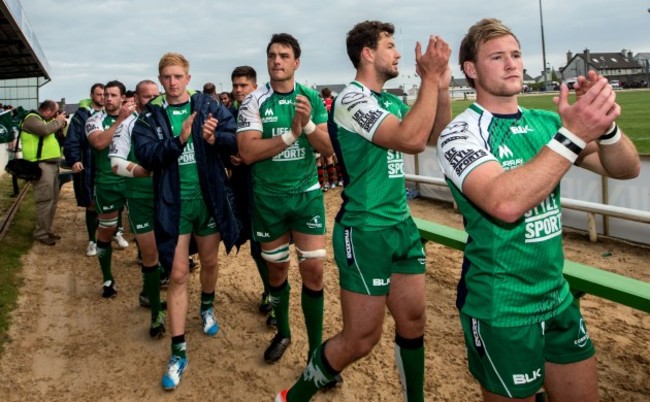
x: 289, y: 138
x: 567, y: 144
x: 560, y: 149
x: 309, y: 128
x: 612, y: 136
x: 574, y: 138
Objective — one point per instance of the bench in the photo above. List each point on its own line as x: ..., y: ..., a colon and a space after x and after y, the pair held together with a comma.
x: 582, y: 278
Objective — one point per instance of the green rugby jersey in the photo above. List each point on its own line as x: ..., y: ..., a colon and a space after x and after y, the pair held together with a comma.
x: 101, y: 121
x: 177, y: 114
x: 512, y: 272
x: 122, y: 147
x: 292, y: 171
x: 373, y: 196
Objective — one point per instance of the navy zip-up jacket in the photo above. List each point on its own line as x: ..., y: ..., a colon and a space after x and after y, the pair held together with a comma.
x: 76, y: 148
x: 158, y: 150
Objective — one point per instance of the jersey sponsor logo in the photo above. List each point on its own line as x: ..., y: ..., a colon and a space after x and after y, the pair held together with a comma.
x: 395, y: 164
x: 521, y: 379
x: 380, y: 282
x: 90, y: 127
x: 269, y: 117
x: 179, y: 112
x: 262, y: 234
x: 292, y: 153
x: 367, y: 119
x: 315, y: 222
x: 352, y: 97
x: 454, y: 138
x: 112, y: 149
x: 187, y: 157
x: 242, y: 122
x: 458, y: 127
x: 505, y: 152
x: 543, y: 221
x: 521, y: 130
x: 583, y: 336
x: 352, y: 106
x: 462, y: 159
x: 285, y: 102
x: 506, y: 155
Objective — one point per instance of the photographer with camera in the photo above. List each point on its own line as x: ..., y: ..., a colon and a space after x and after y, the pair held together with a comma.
x: 39, y: 144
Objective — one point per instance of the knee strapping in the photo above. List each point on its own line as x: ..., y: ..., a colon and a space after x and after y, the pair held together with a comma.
x: 279, y: 254
x: 107, y: 223
x: 318, y: 253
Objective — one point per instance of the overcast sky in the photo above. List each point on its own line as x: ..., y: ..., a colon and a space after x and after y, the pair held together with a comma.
x: 96, y: 41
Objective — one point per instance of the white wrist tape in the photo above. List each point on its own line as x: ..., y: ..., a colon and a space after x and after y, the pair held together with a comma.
x: 289, y: 138
x: 123, y: 167
x: 612, y: 136
x: 309, y: 128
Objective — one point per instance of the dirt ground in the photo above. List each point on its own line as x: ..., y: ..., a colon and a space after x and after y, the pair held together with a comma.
x: 69, y: 344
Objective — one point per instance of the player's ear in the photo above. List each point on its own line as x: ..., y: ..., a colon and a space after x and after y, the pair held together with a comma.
x: 469, y: 69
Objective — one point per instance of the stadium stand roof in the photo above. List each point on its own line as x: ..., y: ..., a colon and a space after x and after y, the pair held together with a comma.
x: 20, y: 53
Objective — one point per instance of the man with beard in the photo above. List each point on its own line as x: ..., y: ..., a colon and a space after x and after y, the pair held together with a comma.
x: 377, y: 246
x: 109, y: 187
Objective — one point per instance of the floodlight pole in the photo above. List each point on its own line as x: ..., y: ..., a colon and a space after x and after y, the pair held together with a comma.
x: 541, y: 23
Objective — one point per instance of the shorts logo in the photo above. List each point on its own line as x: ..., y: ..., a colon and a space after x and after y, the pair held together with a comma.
x: 262, y: 234
x: 583, y: 336
x: 347, y: 239
x: 108, y: 207
x: 142, y: 225
x: 379, y: 282
x: 212, y: 224
x: 478, y: 343
x: 315, y: 222
x: 520, y: 379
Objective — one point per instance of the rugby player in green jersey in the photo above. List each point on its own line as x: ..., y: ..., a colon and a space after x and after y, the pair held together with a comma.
x: 503, y: 164
x: 139, y: 199
x: 377, y: 246
x: 278, y: 127
x: 109, y: 187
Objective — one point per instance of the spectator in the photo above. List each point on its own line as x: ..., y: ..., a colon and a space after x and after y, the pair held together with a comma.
x: 40, y: 144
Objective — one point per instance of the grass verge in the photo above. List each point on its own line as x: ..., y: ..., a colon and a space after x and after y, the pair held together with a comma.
x: 15, y: 244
